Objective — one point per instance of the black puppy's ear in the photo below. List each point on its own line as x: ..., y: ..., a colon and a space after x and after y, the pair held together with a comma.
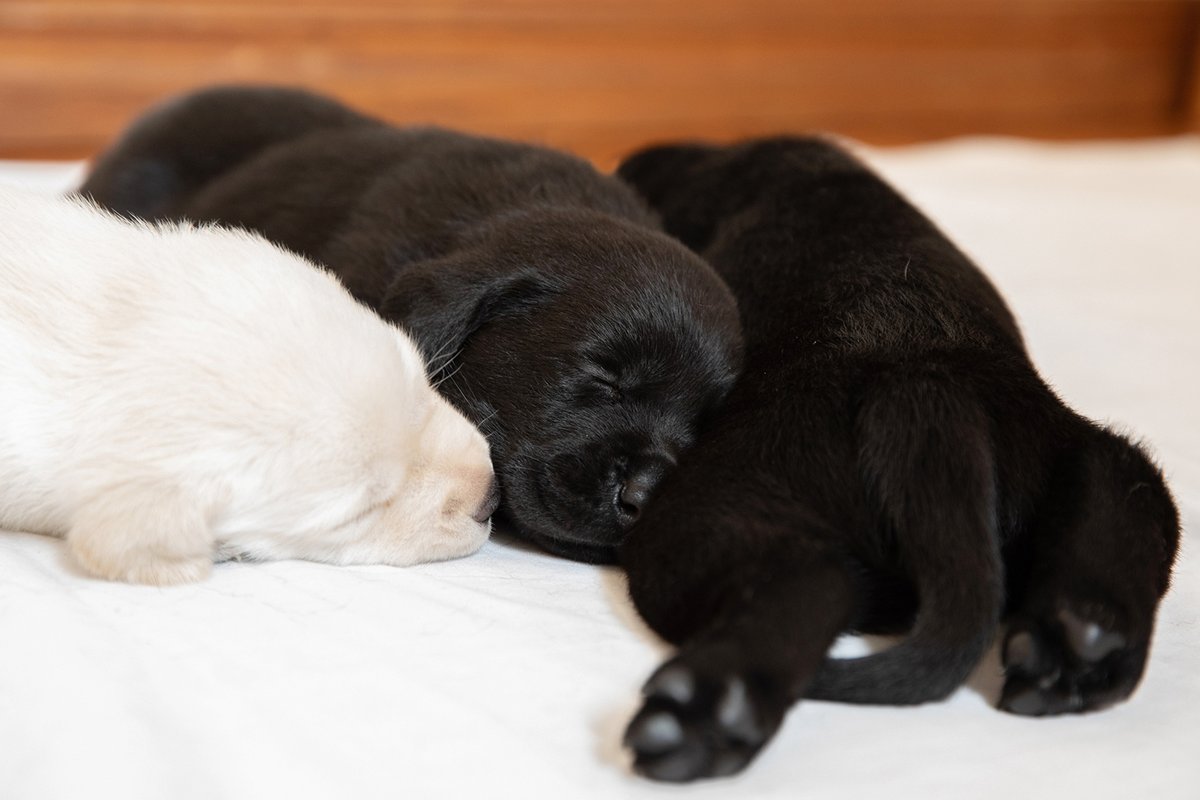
x: 441, y: 303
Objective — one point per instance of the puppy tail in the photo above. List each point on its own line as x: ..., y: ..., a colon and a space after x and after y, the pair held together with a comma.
x: 926, y: 452
x: 179, y: 146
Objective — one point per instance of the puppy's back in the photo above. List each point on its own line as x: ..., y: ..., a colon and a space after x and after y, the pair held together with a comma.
x: 126, y: 341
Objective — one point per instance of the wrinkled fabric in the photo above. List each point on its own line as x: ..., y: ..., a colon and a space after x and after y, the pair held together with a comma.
x: 512, y: 673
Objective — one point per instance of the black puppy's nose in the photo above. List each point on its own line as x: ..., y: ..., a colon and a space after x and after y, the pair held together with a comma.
x: 637, y: 489
x: 490, y: 503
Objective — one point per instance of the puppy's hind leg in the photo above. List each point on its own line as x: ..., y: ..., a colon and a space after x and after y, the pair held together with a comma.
x: 752, y: 628
x: 1087, y: 585
x: 142, y: 532
x: 176, y: 148
x: 926, y: 454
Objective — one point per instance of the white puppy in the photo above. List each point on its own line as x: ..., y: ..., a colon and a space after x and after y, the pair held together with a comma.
x: 170, y: 395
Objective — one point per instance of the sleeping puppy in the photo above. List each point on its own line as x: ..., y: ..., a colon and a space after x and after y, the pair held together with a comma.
x: 889, y: 461
x: 173, y: 395
x: 586, y: 343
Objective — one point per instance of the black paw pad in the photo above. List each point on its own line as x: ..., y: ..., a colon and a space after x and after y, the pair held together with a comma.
x: 1066, y: 663
x: 1088, y: 640
x: 692, y: 726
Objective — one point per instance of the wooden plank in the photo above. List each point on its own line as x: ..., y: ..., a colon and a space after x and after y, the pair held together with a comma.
x: 602, y: 78
x: 1187, y: 96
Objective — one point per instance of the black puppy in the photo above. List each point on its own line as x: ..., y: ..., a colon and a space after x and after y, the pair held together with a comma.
x: 586, y: 343
x: 889, y: 461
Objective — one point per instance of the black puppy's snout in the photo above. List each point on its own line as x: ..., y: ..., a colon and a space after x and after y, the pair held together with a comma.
x: 638, y: 487
x: 491, y: 502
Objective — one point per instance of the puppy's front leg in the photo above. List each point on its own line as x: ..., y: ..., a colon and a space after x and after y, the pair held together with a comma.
x: 754, y: 619
x: 142, y: 531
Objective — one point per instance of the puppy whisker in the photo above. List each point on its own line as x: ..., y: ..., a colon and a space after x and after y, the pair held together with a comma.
x: 443, y: 360
x: 437, y: 384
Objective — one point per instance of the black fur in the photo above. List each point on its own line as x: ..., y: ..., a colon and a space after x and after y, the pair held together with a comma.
x: 587, y: 344
x: 889, y: 461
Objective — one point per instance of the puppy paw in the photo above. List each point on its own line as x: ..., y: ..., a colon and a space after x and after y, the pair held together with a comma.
x: 142, y: 532
x: 168, y: 572
x: 1068, y: 662
x: 693, y: 725
x: 140, y: 566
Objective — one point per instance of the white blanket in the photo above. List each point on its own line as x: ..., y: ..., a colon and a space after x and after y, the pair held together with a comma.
x: 512, y: 673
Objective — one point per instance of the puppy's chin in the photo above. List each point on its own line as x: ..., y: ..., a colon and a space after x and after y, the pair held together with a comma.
x: 578, y: 551
x: 556, y: 543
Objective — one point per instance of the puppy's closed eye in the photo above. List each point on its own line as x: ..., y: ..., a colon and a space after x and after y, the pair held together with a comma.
x: 611, y: 389
x: 597, y: 388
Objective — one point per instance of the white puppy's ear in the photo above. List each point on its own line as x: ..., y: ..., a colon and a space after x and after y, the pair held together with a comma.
x: 441, y: 302
x: 142, y: 531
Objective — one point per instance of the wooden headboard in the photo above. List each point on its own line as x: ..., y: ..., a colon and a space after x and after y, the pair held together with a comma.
x: 603, y: 76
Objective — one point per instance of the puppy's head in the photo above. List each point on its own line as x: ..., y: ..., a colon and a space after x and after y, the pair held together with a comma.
x: 593, y: 351
x: 693, y: 187
x: 435, y: 487
x: 381, y: 469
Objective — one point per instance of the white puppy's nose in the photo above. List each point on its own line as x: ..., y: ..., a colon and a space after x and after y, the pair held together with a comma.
x: 491, y: 502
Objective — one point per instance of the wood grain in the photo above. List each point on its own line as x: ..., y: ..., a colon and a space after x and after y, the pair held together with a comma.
x: 603, y: 77
x: 1187, y: 102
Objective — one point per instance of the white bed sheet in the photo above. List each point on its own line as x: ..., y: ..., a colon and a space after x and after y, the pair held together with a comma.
x: 512, y: 673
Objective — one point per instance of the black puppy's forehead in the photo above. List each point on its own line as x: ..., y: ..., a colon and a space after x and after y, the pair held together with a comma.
x: 668, y: 346
x: 776, y: 154
x: 694, y: 174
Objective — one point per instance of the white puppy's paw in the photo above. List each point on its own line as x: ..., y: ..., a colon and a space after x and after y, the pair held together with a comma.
x: 142, y: 533
x: 137, y: 566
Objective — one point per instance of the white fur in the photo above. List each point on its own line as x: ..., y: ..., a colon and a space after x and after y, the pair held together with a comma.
x: 170, y: 395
